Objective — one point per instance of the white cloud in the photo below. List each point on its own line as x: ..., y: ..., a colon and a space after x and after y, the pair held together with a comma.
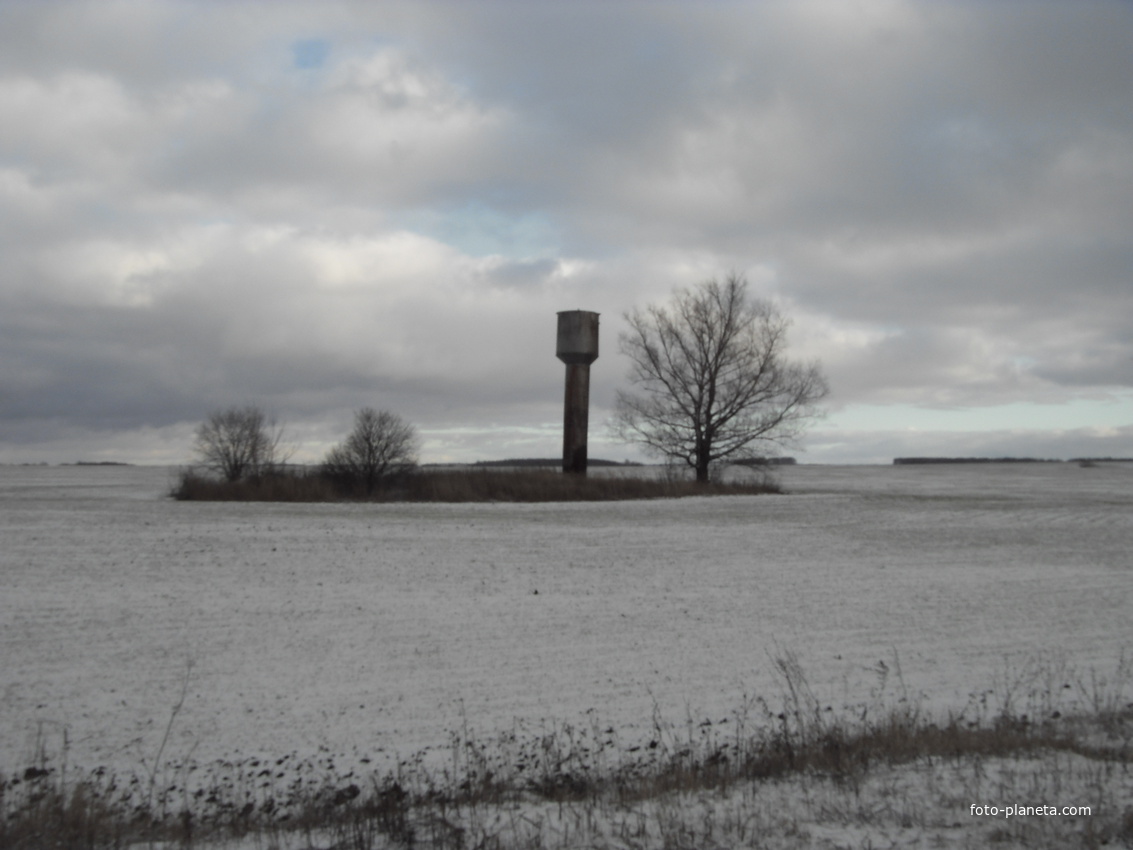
x: 399, y: 122
x: 70, y: 120
x: 362, y: 261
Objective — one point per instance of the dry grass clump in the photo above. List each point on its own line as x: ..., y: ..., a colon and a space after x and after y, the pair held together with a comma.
x: 786, y: 772
x: 485, y: 485
x: 456, y: 485
x: 289, y: 486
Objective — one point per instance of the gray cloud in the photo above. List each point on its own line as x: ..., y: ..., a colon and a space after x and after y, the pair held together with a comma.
x: 196, y: 212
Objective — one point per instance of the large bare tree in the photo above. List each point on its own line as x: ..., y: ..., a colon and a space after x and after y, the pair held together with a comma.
x: 713, y: 383
x: 381, y: 444
x: 239, y: 442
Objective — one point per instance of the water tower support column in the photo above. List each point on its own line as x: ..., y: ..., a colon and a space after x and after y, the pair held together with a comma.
x: 577, y: 347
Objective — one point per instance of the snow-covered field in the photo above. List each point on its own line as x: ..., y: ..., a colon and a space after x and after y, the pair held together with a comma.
x: 374, y: 630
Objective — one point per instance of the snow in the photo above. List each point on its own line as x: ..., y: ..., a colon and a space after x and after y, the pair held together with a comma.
x: 374, y: 631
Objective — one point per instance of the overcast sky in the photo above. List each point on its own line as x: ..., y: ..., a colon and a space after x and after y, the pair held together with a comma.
x: 316, y: 207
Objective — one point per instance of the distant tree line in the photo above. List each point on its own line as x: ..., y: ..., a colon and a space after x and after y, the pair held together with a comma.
x: 912, y: 460
x: 1081, y: 460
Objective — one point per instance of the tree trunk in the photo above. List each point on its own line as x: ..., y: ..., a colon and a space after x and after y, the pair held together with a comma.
x: 702, y: 466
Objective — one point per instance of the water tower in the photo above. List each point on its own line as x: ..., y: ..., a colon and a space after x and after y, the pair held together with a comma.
x: 577, y: 347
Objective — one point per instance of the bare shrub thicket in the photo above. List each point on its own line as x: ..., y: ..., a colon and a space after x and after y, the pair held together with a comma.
x: 293, y: 484
x: 381, y: 446
x: 475, y: 485
x: 458, y: 485
x: 239, y: 442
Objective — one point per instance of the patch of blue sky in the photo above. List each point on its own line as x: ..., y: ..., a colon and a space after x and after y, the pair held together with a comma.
x: 310, y: 53
x: 480, y: 231
x: 1113, y: 412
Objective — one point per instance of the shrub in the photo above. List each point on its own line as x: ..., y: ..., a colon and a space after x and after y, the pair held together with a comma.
x: 452, y: 485
x: 381, y: 446
x: 239, y: 442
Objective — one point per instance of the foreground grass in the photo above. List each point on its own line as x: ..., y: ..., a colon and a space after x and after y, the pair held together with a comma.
x: 792, y: 772
x: 460, y: 485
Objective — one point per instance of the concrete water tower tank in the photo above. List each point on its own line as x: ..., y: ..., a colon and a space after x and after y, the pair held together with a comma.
x: 577, y: 347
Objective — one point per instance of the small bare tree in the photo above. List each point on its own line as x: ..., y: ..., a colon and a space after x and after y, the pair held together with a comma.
x: 239, y: 442
x: 714, y: 384
x: 382, y: 444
